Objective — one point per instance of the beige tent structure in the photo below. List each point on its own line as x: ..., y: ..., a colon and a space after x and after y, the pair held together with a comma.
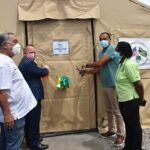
x: 76, y: 25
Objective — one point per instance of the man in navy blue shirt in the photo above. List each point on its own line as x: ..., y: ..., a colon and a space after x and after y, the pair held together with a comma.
x: 32, y: 74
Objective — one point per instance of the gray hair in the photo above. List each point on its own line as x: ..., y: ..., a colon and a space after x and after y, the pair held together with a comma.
x: 4, y: 37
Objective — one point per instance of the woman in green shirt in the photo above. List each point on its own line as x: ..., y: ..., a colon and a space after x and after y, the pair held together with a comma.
x: 130, y: 93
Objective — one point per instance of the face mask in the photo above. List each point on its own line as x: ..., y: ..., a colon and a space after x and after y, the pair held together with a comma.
x: 16, y: 49
x: 104, y: 43
x: 30, y: 56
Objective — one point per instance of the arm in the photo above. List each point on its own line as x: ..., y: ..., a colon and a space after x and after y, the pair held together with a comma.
x: 8, y: 118
x: 92, y: 71
x: 140, y: 90
x: 99, y: 63
x: 37, y: 71
x: 84, y: 71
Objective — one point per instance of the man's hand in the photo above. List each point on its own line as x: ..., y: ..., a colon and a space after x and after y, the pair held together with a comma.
x: 8, y: 118
x: 9, y: 121
x: 82, y: 72
x: 45, y: 66
x: 87, y: 66
x: 87, y: 70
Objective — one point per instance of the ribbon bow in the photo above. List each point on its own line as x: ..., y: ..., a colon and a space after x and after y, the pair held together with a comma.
x: 63, y: 82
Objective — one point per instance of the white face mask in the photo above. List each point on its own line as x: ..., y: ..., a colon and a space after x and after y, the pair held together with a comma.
x: 16, y: 49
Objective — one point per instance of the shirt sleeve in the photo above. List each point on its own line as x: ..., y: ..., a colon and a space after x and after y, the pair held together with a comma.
x: 33, y: 69
x: 110, y: 52
x: 5, y: 77
x: 132, y: 72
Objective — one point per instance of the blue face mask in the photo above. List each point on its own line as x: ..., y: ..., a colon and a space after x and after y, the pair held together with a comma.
x: 104, y: 43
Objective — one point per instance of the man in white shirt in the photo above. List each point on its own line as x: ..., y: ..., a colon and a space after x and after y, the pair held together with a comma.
x: 16, y: 98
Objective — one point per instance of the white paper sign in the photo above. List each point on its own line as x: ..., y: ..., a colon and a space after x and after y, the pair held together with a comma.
x: 141, y: 51
x: 60, y: 47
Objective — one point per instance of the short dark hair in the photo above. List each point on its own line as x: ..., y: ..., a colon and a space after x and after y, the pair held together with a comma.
x: 109, y: 35
x: 125, y: 49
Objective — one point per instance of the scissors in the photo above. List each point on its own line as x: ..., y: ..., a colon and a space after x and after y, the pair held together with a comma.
x: 81, y: 71
x: 77, y: 68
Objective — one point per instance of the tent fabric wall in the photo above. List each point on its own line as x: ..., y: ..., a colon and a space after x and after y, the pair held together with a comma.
x: 30, y: 10
x: 72, y: 108
x: 9, y: 22
x: 8, y: 19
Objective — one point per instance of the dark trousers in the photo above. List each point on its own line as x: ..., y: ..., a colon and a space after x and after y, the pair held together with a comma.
x: 130, y: 113
x: 32, y: 125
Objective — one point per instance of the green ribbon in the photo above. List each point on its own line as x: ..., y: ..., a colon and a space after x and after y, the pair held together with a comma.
x: 63, y: 82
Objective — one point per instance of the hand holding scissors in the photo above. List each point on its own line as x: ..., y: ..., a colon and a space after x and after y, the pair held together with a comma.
x: 81, y: 71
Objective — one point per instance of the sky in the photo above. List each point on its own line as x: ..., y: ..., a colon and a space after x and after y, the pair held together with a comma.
x: 146, y: 2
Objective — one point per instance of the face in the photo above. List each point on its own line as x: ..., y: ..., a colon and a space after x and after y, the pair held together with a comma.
x: 104, y: 41
x: 104, y: 37
x: 118, y: 50
x: 30, y: 53
x: 9, y: 45
x: 30, y: 50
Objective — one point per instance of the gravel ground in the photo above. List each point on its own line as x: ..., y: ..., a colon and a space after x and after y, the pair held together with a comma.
x: 146, y: 139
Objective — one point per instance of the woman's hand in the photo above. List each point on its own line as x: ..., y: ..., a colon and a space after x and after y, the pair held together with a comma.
x: 143, y: 102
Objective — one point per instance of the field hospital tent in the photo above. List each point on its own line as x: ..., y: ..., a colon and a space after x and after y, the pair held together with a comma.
x: 65, y: 34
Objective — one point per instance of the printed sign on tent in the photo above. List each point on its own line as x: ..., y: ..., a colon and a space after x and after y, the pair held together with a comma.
x: 60, y: 47
x: 141, y: 51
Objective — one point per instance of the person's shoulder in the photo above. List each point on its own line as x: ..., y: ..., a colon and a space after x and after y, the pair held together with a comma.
x: 112, y: 47
x: 4, y: 60
x: 25, y: 62
x: 5, y: 57
x: 111, y: 51
x: 130, y: 63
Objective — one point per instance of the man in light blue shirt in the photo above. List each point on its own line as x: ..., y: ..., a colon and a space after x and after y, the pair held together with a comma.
x: 106, y: 66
